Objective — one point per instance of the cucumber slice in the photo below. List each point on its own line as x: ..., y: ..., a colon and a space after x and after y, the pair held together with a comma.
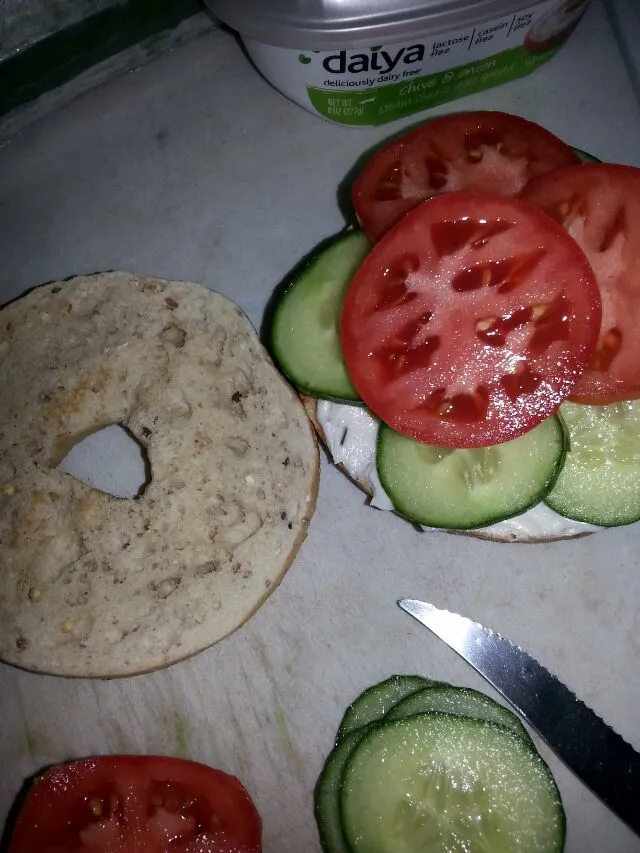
x: 434, y: 783
x: 462, y: 489
x: 375, y: 701
x: 600, y: 480
x: 462, y: 701
x: 304, y: 337
x: 326, y: 795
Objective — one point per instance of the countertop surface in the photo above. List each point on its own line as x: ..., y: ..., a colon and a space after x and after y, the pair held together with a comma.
x: 194, y: 168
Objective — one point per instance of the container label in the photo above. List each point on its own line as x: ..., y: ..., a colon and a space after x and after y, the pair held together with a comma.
x: 397, y: 100
x: 382, y: 83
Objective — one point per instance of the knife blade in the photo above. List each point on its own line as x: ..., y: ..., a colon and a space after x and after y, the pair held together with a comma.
x: 598, y: 755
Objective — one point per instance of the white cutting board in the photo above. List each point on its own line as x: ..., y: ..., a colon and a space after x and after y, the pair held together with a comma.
x: 194, y: 168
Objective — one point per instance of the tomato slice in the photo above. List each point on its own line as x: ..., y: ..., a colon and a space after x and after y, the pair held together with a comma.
x: 476, y: 151
x: 470, y: 321
x: 600, y: 207
x: 137, y: 804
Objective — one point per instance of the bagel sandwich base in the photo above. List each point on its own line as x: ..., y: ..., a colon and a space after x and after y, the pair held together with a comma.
x: 100, y: 586
x: 547, y: 527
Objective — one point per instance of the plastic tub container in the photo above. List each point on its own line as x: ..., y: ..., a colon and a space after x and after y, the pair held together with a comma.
x: 367, y: 62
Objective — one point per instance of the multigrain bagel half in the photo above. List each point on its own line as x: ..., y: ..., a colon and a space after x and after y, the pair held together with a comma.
x: 101, y: 586
x: 548, y: 528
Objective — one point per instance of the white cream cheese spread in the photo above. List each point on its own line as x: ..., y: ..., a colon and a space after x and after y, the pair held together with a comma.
x: 351, y: 434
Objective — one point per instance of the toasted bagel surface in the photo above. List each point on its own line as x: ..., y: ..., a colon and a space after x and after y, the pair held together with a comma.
x: 95, y: 585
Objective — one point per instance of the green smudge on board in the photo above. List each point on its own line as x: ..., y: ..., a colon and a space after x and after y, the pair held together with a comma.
x: 293, y: 757
x: 118, y: 739
x: 281, y: 723
x: 36, y: 744
x: 262, y: 655
x: 183, y: 748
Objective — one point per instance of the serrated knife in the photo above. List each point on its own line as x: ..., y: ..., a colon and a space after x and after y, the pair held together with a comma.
x: 603, y: 760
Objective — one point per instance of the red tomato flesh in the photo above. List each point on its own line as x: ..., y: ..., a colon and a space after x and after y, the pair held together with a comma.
x: 137, y: 804
x: 599, y: 205
x: 476, y: 151
x: 470, y: 321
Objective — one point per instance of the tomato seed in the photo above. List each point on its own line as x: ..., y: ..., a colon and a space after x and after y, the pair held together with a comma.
x: 390, y: 186
x: 401, y: 358
x: 469, y: 279
x: 451, y: 236
x: 567, y: 210
x: 395, y: 295
x: 617, y: 226
x: 445, y: 409
x: 438, y: 171
x: 410, y: 334
x: 438, y: 180
x: 96, y: 806
x: 465, y: 407
x: 551, y: 326
x: 403, y: 267
x: 505, y: 275
x: 475, y: 140
x: 538, y: 311
x: 523, y: 381
x: 608, y: 347
x: 172, y: 803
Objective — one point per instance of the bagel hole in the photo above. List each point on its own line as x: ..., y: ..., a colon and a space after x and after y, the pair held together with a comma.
x: 109, y: 459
